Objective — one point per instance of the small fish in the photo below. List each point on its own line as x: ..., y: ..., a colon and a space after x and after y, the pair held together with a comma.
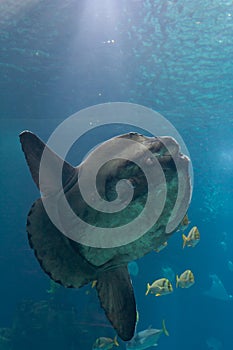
x: 161, y: 247
x: 104, y: 343
x: 160, y: 287
x: 184, y: 223
x: 147, y: 338
x: 185, y: 280
x: 192, y: 239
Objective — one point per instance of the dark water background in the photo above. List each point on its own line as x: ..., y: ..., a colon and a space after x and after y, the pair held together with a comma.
x: 175, y: 57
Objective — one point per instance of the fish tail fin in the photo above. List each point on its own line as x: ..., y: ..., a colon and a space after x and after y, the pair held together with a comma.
x: 165, y: 331
x: 93, y: 284
x: 148, y: 288
x: 177, y: 281
x: 115, y: 342
x: 184, y: 240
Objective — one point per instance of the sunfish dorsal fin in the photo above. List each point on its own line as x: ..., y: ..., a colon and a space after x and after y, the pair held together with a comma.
x: 117, y: 299
x: 33, y: 148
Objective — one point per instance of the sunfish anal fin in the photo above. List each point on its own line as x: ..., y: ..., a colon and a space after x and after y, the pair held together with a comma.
x: 33, y: 148
x: 116, y: 296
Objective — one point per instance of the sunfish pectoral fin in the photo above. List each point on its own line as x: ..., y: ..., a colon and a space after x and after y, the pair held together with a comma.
x: 33, y: 148
x: 117, y: 299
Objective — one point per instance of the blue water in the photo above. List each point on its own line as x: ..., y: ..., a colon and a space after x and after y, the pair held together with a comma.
x: 175, y: 57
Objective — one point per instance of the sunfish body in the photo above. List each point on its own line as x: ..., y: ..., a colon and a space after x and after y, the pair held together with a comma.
x: 73, y: 264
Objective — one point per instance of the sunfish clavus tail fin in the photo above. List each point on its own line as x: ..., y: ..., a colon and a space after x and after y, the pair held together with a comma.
x: 33, y: 148
x: 116, y: 296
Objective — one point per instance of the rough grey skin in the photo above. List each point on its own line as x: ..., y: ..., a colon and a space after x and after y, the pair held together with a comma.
x: 73, y: 264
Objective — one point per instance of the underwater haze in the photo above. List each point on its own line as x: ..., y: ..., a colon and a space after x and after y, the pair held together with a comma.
x: 173, y: 56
